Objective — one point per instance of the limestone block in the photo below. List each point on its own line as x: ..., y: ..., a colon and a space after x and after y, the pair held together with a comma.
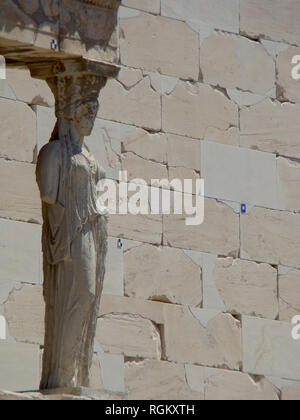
x: 148, y: 146
x: 19, y: 198
x: 289, y: 294
x: 139, y: 168
x: 183, y: 152
x: 148, y: 42
x: 18, y: 131
x: 230, y: 136
x: 239, y: 387
x: 130, y: 335
x: 271, y: 236
x: 20, y: 263
x: 24, y: 312
x: 191, y: 109
x: 162, y: 274
x: 95, y: 374
x: 144, y: 308
x: 271, y: 19
x: 289, y: 178
x: 112, y: 372
x: 157, y: 380
x: 288, y: 89
x: 138, y: 228
x: 129, y: 77
x: 247, y: 287
x: 29, y: 90
x: 151, y: 6
x: 271, y: 127
x: 220, y: 14
x: 233, y: 177
x: 113, y: 281
x: 269, y: 349
x: 199, y: 336
x: 291, y: 392
x: 19, y: 366
x: 232, y: 61
x: 219, y: 233
x: 46, y: 121
x: 138, y: 106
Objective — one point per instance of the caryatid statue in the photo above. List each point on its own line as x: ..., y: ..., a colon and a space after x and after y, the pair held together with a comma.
x: 74, y: 233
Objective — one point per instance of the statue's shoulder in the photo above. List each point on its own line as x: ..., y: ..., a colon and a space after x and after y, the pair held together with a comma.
x: 51, y: 151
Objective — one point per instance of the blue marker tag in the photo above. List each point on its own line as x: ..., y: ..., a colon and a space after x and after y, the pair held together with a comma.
x: 243, y: 208
x: 120, y: 244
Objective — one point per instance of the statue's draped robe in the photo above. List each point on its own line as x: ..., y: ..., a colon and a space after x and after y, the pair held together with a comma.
x: 74, y: 249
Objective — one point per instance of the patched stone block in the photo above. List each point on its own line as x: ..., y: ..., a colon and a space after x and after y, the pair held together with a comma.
x: 271, y: 236
x: 192, y: 108
x: 20, y: 256
x: 24, y: 312
x: 288, y: 89
x: 219, y: 233
x: 219, y: 14
x: 289, y: 294
x: 229, y: 175
x: 164, y: 381
x: 247, y: 287
x: 269, y: 349
x: 130, y: 335
x: 148, y: 42
x: 19, y: 366
x: 271, y: 127
x: 138, y: 106
x: 162, y: 274
x: 20, y: 198
x: 236, y: 62
x: 18, y: 131
x: 203, y: 337
x: 271, y: 19
x: 289, y: 178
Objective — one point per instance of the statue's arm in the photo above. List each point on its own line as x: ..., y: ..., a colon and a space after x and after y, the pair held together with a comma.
x: 48, y: 172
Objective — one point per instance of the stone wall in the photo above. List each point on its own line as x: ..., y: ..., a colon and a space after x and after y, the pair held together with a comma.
x: 205, y: 90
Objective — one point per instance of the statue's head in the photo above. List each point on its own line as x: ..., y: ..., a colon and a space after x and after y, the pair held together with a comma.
x: 84, y: 117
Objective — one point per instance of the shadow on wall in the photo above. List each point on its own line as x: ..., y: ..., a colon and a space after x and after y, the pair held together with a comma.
x: 91, y: 21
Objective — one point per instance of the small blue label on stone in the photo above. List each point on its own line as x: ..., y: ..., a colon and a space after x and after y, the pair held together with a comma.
x: 243, y: 208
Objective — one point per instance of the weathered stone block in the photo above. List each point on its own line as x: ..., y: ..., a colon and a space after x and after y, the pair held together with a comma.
x: 271, y: 236
x: 192, y: 108
x: 157, y: 274
x: 148, y: 42
x: 291, y: 392
x: 144, y: 308
x: 46, y: 121
x: 19, y: 366
x: 139, y: 168
x: 183, y: 152
x: 289, y: 294
x: 19, y: 198
x: 138, y: 106
x: 18, y: 131
x: 288, y: 89
x: 219, y: 14
x: 157, y: 380
x: 236, y: 386
x: 289, y: 178
x: 20, y: 256
x: 219, y: 233
x: 151, y: 6
x: 241, y: 63
x: 271, y: 19
x: 229, y: 175
x: 247, y: 287
x: 138, y: 228
x: 202, y: 337
x: 271, y: 127
x: 130, y: 335
x: 269, y: 349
